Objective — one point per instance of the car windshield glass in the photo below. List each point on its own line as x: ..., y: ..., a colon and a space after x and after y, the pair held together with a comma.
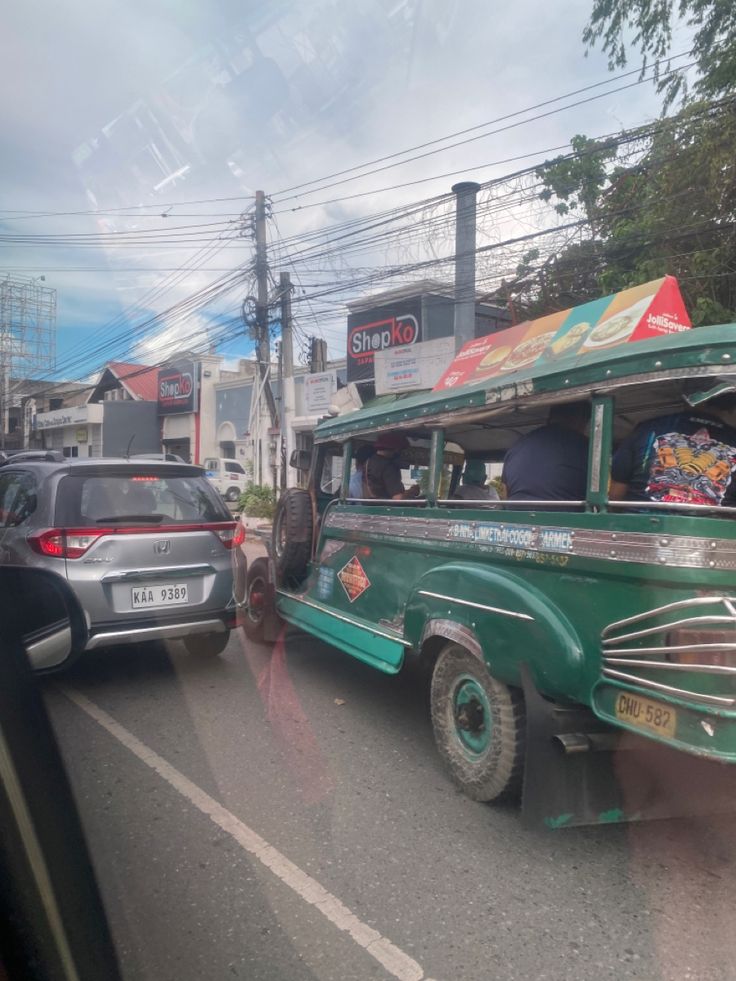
x: 117, y: 498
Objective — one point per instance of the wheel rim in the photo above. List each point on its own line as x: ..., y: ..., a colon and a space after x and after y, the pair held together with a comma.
x: 471, y: 712
x: 256, y: 600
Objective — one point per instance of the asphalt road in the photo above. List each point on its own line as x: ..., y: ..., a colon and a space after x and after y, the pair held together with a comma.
x: 186, y: 770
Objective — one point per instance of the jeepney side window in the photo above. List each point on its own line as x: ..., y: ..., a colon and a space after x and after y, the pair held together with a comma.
x: 330, y: 479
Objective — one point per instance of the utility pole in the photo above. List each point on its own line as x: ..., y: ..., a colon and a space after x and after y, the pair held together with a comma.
x: 464, y: 320
x: 263, y: 347
x: 287, y: 343
x: 286, y: 373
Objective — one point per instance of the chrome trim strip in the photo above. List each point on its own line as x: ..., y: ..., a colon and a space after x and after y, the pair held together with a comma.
x: 478, y: 606
x: 166, y: 631
x: 700, y: 668
x: 500, y: 535
x: 632, y: 679
x: 657, y: 610
x: 671, y: 506
x: 666, y: 649
x: 169, y: 571
x: 345, y: 619
x: 637, y: 634
x: 500, y: 504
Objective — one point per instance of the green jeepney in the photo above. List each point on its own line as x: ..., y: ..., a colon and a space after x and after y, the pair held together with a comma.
x: 552, y: 629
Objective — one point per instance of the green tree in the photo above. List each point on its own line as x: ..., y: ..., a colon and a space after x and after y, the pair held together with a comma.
x: 714, y: 40
x: 669, y: 207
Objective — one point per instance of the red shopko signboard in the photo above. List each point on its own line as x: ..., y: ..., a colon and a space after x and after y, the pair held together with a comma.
x: 635, y: 314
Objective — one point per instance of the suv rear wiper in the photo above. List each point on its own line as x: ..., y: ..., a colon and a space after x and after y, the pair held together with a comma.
x: 154, y: 519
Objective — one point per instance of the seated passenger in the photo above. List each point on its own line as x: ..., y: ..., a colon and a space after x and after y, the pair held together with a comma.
x: 474, y: 486
x: 357, y: 488
x: 685, y: 458
x: 382, y: 472
x: 551, y: 463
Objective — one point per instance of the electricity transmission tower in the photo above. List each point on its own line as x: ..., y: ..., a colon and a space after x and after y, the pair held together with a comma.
x: 27, y: 337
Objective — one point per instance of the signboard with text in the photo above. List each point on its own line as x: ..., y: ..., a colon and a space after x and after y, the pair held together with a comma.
x: 377, y: 329
x: 418, y: 366
x: 178, y: 388
x: 645, y: 311
x: 318, y: 391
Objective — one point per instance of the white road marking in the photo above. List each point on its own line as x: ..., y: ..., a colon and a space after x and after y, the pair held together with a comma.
x: 397, y: 963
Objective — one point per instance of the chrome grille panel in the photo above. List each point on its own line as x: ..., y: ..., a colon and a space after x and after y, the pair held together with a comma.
x: 622, y: 648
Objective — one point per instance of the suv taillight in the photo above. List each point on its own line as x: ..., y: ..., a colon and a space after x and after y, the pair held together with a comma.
x: 231, y: 536
x: 66, y: 543
x: 72, y: 543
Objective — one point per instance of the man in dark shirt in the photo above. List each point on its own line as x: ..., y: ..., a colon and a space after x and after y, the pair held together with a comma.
x: 685, y: 458
x: 382, y: 472
x: 550, y: 463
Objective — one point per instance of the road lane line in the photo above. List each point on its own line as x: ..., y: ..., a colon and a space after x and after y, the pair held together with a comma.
x: 396, y: 962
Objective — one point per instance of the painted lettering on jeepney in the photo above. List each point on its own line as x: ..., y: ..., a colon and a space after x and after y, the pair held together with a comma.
x: 516, y: 541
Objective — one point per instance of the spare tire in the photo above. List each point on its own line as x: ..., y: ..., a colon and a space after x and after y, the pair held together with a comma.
x: 292, y: 535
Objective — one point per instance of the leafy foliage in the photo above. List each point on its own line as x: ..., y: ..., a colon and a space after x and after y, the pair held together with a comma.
x: 671, y: 208
x: 258, y: 501
x: 713, y: 48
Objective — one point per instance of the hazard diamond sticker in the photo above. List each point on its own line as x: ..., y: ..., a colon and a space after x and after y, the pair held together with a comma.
x: 353, y: 578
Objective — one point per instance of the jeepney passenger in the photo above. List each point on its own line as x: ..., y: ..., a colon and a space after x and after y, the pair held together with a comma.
x: 685, y: 458
x: 382, y: 472
x: 551, y: 463
x: 356, y: 487
x: 474, y: 486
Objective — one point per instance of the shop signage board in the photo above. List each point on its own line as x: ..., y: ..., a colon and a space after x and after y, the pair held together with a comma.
x: 57, y: 419
x: 642, y: 312
x: 379, y: 328
x: 178, y: 388
x: 318, y: 391
x: 412, y: 367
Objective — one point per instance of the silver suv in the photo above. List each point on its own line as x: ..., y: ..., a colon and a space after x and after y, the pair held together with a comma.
x: 149, y: 548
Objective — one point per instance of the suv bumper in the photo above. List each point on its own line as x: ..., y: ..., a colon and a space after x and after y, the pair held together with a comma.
x: 113, y: 634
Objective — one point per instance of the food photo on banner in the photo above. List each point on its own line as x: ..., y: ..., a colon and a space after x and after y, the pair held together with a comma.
x: 635, y: 314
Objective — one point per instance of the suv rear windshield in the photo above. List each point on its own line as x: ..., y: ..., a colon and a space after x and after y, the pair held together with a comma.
x: 89, y: 499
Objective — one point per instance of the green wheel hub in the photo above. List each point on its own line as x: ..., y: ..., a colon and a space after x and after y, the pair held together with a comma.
x: 472, y: 713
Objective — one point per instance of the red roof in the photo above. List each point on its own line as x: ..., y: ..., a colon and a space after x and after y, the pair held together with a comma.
x: 140, y: 380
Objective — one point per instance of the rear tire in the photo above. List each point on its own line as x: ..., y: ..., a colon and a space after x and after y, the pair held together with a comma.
x: 257, y: 600
x: 232, y: 494
x: 479, y: 726
x: 292, y: 535
x: 207, y: 645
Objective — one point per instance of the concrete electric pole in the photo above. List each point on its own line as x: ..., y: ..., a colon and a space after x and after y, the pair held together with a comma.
x: 464, y: 321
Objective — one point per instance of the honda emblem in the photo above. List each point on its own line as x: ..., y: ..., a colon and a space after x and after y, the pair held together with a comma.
x: 162, y: 547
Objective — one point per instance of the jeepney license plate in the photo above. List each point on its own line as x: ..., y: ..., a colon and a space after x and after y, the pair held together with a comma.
x: 646, y: 714
x: 159, y: 594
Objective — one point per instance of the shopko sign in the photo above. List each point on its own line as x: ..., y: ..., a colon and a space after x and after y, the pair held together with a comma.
x: 178, y: 388
x: 373, y: 331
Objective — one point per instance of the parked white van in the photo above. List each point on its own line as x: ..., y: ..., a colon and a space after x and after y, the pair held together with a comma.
x: 228, y: 476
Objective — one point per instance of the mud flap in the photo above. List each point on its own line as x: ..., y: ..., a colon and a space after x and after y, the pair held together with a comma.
x: 580, y: 771
x: 272, y: 622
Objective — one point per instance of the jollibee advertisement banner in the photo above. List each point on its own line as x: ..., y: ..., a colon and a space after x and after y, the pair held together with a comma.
x: 649, y: 310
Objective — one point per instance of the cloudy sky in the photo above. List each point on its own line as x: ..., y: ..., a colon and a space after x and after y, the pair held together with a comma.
x: 136, y: 131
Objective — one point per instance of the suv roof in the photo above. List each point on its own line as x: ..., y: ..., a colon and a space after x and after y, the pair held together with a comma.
x: 49, y: 461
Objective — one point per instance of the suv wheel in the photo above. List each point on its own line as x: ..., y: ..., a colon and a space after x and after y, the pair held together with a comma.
x: 478, y: 726
x: 232, y: 494
x: 207, y: 645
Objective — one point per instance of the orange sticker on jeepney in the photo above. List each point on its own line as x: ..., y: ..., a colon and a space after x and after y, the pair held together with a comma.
x: 353, y: 578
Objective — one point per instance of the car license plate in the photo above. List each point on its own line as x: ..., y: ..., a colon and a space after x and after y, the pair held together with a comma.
x: 159, y: 594
x: 646, y: 714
